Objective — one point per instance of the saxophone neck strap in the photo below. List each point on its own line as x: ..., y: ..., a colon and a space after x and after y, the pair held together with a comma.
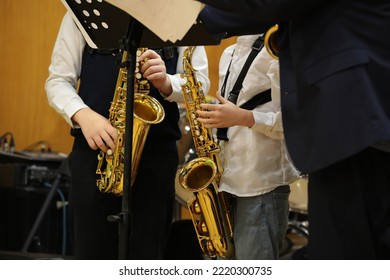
x: 233, y: 95
x: 258, y: 99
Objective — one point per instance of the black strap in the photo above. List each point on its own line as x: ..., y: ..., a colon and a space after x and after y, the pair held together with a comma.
x: 256, y: 48
x: 260, y: 98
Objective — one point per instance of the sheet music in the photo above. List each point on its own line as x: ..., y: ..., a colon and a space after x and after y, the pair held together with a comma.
x: 168, y: 19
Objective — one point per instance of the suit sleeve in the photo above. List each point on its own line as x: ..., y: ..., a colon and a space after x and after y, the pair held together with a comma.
x: 239, y: 17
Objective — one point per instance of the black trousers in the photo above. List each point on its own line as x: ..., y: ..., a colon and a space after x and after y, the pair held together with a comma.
x: 152, y: 202
x: 349, y: 208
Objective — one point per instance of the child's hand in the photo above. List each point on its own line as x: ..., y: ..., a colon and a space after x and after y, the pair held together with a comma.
x: 225, y: 114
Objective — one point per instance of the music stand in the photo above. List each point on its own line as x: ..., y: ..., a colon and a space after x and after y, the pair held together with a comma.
x: 105, y: 26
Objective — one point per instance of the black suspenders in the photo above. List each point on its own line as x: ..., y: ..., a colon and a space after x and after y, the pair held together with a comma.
x: 260, y: 98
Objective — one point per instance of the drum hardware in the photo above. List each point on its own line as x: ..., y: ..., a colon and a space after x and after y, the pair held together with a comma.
x: 298, y: 196
x: 298, y: 200
x: 298, y: 224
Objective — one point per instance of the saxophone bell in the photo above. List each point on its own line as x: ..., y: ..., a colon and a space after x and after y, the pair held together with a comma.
x: 270, y: 42
x: 147, y: 111
x: 198, y: 174
x: 208, y: 209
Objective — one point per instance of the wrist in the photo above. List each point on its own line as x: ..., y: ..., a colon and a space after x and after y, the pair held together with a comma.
x: 248, y: 118
x: 166, y: 87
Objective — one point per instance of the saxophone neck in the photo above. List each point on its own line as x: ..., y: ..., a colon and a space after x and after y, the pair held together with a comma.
x: 187, y: 58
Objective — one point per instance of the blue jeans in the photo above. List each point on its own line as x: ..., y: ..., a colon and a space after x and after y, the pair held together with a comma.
x: 260, y: 224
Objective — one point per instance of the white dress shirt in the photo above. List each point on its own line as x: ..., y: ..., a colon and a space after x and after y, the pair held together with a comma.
x: 65, y: 69
x: 255, y: 159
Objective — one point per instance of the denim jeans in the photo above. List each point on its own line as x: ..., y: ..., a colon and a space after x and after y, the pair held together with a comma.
x: 260, y: 224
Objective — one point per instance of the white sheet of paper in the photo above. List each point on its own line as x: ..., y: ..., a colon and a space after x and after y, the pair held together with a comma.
x: 168, y: 19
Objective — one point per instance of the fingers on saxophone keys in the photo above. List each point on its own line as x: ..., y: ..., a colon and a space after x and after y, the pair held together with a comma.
x: 205, y: 120
x: 207, y: 123
x: 110, y: 136
x: 101, y: 144
x: 204, y: 114
x: 204, y: 106
x: 106, y: 149
x: 105, y: 143
x: 92, y: 144
x: 110, y: 142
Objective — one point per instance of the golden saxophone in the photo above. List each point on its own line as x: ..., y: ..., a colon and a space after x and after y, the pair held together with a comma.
x: 209, y: 209
x: 270, y: 41
x: 147, y: 111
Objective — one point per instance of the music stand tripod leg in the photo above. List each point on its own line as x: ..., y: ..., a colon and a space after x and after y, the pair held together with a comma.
x: 62, y: 170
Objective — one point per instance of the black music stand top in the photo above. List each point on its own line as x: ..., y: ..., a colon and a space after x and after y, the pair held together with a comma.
x: 104, y: 26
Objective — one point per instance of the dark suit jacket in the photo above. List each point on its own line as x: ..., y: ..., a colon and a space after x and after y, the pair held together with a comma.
x: 334, y: 66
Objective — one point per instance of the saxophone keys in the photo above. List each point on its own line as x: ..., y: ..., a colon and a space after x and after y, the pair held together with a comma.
x: 195, y: 208
x: 210, y: 246
x: 139, y: 52
x: 193, y: 116
x: 138, y: 75
x: 203, y: 227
